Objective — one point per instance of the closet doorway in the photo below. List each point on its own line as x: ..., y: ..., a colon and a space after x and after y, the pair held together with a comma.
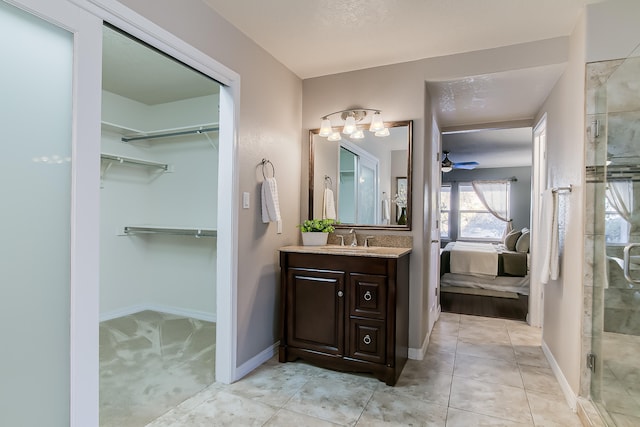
x: 159, y: 195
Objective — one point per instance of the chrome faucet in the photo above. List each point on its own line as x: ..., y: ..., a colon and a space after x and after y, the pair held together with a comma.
x: 354, y: 242
x: 366, y: 240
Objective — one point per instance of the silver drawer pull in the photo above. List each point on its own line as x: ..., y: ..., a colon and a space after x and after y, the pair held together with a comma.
x: 340, y: 293
x: 366, y: 339
x: 367, y: 296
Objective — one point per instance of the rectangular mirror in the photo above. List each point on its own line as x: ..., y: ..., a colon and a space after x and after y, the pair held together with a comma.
x: 366, y: 182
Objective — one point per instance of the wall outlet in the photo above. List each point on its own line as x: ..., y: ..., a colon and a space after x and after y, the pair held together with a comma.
x: 245, y: 200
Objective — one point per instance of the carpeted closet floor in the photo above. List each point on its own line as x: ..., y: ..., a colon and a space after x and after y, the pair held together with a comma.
x: 149, y: 363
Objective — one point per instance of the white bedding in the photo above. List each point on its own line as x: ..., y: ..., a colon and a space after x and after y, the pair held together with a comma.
x: 474, y: 259
x: 518, y: 285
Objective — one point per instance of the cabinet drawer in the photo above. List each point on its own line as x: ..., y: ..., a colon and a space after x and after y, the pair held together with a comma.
x: 367, y: 340
x: 368, y: 295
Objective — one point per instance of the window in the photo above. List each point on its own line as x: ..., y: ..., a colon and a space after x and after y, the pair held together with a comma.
x: 475, y: 222
x: 617, y: 205
x: 445, y: 211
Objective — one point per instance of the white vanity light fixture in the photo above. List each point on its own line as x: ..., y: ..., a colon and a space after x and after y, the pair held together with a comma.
x: 357, y: 134
x: 377, y: 124
x: 351, y: 119
x: 349, y: 125
x: 383, y: 132
x: 325, y: 127
x: 335, y: 136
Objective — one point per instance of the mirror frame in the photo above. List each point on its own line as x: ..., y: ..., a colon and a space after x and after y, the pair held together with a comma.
x: 407, y: 227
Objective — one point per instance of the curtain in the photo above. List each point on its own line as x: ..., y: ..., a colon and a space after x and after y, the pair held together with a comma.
x: 619, y: 195
x: 493, y: 196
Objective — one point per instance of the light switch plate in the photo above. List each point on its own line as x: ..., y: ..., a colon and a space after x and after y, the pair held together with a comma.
x: 245, y: 200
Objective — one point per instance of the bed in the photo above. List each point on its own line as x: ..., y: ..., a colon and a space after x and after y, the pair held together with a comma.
x: 484, y: 266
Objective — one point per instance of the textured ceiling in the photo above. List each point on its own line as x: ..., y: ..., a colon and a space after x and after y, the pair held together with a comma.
x: 497, y: 97
x: 491, y: 148
x: 320, y: 37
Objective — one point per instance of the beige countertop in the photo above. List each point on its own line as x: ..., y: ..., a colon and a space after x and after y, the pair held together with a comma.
x: 373, y: 252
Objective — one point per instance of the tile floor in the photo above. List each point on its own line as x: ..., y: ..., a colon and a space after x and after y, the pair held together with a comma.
x: 477, y: 372
x: 619, y: 378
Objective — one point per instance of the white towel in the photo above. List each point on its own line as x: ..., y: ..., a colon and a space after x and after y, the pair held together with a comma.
x: 270, y: 203
x: 549, y: 237
x: 329, y: 205
x: 386, y: 211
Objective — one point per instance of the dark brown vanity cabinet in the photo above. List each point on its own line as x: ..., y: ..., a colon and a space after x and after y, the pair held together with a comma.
x: 348, y: 313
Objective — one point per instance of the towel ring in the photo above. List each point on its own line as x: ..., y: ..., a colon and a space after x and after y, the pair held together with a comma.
x: 264, y: 165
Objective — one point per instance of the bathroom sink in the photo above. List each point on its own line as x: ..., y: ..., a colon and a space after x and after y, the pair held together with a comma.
x: 376, y: 251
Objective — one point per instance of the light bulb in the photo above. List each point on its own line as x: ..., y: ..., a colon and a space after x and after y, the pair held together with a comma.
x: 358, y: 134
x: 383, y: 132
x: 325, y: 128
x: 335, y: 136
x: 376, y: 122
x: 349, y: 125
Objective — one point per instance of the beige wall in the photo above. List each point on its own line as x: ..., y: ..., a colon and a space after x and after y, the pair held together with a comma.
x: 269, y: 126
x: 399, y: 91
x: 565, y: 144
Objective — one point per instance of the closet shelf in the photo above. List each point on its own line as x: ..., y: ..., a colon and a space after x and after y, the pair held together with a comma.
x: 166, y: 133
x: 175, y: 231
x: 112, y: 158
x: 132, y: 135
x: 120, y: 129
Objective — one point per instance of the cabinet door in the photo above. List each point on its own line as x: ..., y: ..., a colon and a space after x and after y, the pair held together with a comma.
x: 367, y: 340
x: 315, y: 310
x: 368, y: 295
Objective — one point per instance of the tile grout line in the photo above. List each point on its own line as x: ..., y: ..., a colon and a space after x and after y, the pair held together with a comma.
x: 366, y: 404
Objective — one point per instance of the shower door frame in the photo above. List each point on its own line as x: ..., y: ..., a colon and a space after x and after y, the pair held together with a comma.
x: 601, y: 162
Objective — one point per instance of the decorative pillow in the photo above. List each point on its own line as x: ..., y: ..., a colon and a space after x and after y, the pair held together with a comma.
x: 522, y: 245
x: 511, y: 239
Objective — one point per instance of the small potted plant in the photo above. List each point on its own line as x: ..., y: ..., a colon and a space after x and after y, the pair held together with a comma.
x: 315, y: 232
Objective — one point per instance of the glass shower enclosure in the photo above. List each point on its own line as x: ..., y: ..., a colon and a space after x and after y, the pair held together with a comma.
x: 613, y: 156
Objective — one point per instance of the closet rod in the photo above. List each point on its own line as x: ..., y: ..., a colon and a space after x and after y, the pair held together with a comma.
x: 168, y: 134
x: 195, y: 232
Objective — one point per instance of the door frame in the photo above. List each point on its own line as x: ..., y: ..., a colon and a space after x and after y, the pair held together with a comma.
x: 372, y: 162
x: 227, y: 255
x: 538, y: 185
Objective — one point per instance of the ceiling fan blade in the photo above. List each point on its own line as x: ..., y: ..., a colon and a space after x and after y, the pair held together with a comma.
x: 465, y: 165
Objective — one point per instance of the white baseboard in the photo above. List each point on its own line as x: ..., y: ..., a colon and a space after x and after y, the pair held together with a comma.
x: 418, y: 353
x: 569, y: 395
x: 121, y: 312
x: 177, y: 311
x: 256, y: 361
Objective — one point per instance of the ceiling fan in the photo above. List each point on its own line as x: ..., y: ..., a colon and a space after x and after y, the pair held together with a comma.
x: 448, y: 165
